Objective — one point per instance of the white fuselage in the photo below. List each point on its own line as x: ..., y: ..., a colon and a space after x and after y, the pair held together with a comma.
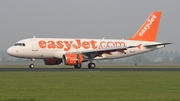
x: 43, y: 48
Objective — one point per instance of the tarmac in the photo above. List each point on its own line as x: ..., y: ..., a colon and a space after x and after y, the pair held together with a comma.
x: 85, y: 69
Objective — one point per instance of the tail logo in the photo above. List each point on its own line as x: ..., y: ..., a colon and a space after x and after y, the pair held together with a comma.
x: 148, y: 25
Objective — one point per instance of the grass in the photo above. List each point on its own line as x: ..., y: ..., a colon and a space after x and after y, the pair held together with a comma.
x: 89, y: 86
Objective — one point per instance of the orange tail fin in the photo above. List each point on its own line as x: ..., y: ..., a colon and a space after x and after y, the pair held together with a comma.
x: 148, y: 30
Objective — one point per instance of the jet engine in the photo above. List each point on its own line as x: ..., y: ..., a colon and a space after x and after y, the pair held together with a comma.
x: 72, y: 59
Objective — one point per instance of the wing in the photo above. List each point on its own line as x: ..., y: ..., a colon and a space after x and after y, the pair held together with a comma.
x: 99, y: 52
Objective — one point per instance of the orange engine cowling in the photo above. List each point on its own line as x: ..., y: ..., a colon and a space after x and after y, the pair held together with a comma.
x: 52, y: 61
x: 72, y: 59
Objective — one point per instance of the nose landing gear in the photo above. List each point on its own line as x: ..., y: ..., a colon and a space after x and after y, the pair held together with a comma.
x: 32, y: 64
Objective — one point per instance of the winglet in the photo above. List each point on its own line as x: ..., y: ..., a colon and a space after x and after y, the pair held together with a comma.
x: 139, y: 46
x: 148, y: 30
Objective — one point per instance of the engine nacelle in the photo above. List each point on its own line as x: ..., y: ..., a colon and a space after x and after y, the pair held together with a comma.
x: 52, y: 61
x: 72, y: 59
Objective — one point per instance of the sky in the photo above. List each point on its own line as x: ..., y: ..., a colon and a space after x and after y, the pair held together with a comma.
x: 112, y: 19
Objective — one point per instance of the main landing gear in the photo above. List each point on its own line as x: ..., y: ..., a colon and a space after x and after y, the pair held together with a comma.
x: 77, y: 66
x: 32, y: 64
x: 90, y: 66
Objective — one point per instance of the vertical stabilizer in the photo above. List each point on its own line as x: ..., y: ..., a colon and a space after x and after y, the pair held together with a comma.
x: 148, y: 30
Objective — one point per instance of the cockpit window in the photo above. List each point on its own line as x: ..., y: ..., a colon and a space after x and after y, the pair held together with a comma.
x: 19, y: 44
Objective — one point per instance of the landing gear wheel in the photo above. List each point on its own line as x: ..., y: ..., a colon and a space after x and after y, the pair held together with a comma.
x: 77, y: 66
x: 31, y: 66
x: 91, y: 65
x: 32, y: 63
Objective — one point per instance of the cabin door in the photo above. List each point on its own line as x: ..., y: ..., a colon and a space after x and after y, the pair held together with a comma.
x: 34, y: 45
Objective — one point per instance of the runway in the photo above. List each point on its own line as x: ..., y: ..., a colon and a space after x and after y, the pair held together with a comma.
x: 84, y: 69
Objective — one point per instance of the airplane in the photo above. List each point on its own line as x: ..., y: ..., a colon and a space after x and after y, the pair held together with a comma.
x: 75, y: 51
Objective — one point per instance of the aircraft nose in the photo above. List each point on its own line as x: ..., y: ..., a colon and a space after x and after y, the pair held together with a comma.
x: 11, y: 51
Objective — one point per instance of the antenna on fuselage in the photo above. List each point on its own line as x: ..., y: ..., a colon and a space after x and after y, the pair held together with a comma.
x: 103, y: 38
x: 34, y: 37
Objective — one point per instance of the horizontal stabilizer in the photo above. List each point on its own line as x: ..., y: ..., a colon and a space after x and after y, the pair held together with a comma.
x: 154, y: 45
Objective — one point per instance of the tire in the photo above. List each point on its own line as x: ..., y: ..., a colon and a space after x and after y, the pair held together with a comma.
x: 78, y: 66
x: 91, y: 65
x: 31, y: 66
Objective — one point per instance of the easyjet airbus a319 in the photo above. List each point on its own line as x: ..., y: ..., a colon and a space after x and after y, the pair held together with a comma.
x: 74, y: 52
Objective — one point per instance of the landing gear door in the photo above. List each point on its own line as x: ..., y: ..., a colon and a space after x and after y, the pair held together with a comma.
x: 34, y: 45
